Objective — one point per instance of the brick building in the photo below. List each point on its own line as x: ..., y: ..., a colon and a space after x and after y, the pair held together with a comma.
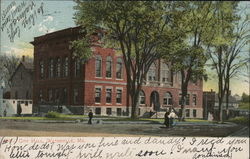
x: 21, y: 80
x: 100, y: 83
x: 211, y: 105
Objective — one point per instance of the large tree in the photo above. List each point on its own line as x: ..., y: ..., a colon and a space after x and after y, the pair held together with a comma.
x: 221, y: 46
x: 188, y: 54
x: 138, y: 28
x: 236, y: 52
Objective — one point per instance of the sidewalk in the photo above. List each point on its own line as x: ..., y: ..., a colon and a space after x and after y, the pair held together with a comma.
x: 244, y: 132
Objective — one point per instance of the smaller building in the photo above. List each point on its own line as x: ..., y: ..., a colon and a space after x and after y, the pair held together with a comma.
x: 211, y: 105
x: 21, y: 80
x: 9, y: 107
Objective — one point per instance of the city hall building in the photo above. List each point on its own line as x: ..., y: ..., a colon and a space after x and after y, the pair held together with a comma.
x: 62, y: 83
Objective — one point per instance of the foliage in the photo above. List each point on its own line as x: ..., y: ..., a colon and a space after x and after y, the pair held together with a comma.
x: 187, y: 53
x: 139, y: 29
x: 8, y: 65
x: 245, y: 98
x: 230, y: 36
x: 53, y: 115
x: 244, y: 105
x: 82, y: 49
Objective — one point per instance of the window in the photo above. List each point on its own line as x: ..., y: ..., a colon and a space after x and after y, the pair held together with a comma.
x: 187, y: 113
x: 76, y: 96
x: 65, y: 95
x: 40, y: 95
x: 77, y: 67
x: 180, y: 99
x: 98, y: 66
x: 119, y: 96
x: 66, y: 67
x: 50, y: 92
x: 41, y: 68
x: 167, y: 100
x: 119, y: 111
x: 108, y: 95
x: 152, y: 73
x: 142, y: 97
x: 58, y: 67
x: 109, y: 111
x: 27, y: 94
x: 98, y: 95
x: 187, y: 99
x: 119, y: 68
x: 16, y: 95
x: 194, y: 99
x: 57, y: 95
x: 165, y: 72
x: 194, y: 113
x: 51, y: 68
x: 109, y: 67
x: 98, y: 111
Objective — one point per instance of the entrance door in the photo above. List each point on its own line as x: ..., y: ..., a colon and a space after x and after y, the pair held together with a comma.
x: 154, y: 100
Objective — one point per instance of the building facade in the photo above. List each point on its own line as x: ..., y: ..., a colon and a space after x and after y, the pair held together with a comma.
x: 211, y: 105
x: 60, y: 80
x: 21, y: 81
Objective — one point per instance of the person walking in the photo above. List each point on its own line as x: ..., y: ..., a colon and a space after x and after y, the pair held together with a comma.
x: 172, y: 115
x: 90, y: 116
x: 166, y: 122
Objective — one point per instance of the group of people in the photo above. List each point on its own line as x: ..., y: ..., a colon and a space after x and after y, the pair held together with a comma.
x: 169, y: 118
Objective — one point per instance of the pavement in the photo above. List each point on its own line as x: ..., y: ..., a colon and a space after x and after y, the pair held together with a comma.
x: 116, y: 128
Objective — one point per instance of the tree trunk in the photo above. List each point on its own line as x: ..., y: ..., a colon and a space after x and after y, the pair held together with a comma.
x: 135, y: 104
x: 227, y: 98
x: 183, y: 109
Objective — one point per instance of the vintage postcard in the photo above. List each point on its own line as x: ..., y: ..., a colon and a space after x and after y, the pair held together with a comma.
x: 124, y: 79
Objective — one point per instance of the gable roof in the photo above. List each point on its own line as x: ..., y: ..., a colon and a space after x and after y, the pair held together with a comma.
x: 28, y: 66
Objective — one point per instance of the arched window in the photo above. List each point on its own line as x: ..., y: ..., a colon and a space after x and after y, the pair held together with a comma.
x: 98, y: 66
x: 165, y: 73
x: 109, y: 67
x: 142, y: 97
x: 119, y: 68
x: 167, y: 100
x: 66, y: 67
x: 41, y: 64
x: 152, y: 76
x: 77, y: 67
x: 51, y: 68
x: 58, y: 67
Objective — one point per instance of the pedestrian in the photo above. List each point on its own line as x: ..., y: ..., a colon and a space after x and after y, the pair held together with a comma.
x: 172, y: 115
x: 4, y: 113
x: 90, y: 116
x: 166, y: 122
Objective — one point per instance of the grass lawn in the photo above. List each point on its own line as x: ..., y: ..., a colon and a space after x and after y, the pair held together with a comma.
x: 35, y: 118
x: 244, y: 105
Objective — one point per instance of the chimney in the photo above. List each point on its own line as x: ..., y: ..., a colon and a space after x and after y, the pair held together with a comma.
x: 23, y: 58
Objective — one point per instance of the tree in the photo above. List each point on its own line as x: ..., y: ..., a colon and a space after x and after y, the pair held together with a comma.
x: 235, y: 52
x: 245, y: 97
x: 139, y: 29
x: 8, y: 65
x: 221, y: 38
x: 188, y: 53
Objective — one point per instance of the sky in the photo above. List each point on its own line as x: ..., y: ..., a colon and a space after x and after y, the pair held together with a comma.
x: 46, y: 16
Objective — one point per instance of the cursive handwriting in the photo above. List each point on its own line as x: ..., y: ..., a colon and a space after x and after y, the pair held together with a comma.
x: 19, y: 15
x: 124, y: 148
